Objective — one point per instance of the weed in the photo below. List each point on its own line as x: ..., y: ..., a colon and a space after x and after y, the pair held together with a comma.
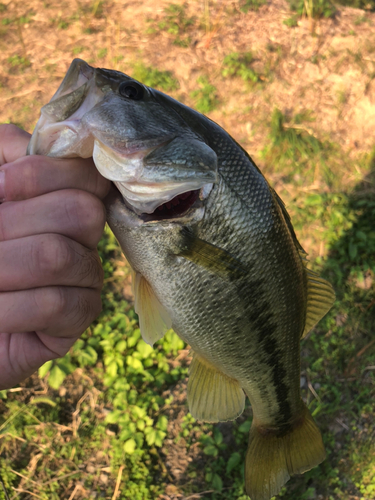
x: 98, y: 8
x: 153, y: 77
x: 313, y: 9
x: 78, y: 50
x: 205, y: 97
x: 102, y: 53
x: 359, y: 4
x: 26, y: 19
x: 177, y: 23
x: 3, y: 7
x: 292, y: 22
x: 6, y: 21
x: 362, y: 19
x: 237, y: 64
x: 18, y: 63
x: 254, y: 5
x: 290, y: 143
x: 60, y: 23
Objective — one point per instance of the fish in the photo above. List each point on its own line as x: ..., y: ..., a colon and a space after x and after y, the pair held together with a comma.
x: 213, y: 255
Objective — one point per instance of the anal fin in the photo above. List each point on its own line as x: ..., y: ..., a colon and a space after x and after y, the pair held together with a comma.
x: 154, y: 319
x: 212, y: 395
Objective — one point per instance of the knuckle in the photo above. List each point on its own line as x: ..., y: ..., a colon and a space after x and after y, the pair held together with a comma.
x: 52, y: 256
x: 85, y: 212
x: 87, y: 308
x: 52, y: 303
x: 92, y: 271
x: 24, y: 179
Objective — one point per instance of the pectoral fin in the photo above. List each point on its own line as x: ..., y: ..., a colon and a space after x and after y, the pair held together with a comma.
x: 154, y: 319
x: 212, y: 395
x: 210, y: 257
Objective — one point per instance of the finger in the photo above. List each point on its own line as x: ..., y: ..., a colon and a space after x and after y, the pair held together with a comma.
x: 33, y: 176
x: 54, y: 311
x: 13, y: 143
x: 23, y: 353
x: 48, y: 260
x: 76, y: 214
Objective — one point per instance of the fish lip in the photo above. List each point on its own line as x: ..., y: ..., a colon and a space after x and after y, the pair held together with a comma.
x: 115, y: 202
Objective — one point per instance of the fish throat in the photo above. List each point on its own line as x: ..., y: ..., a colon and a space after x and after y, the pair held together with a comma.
x: 176, y: 207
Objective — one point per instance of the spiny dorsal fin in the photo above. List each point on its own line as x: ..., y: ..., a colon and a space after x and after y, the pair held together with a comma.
x: 320, y: 298
x: 212, y: 395
x: 211, y: 257
x: 288, y: 220
x: 154, y: 319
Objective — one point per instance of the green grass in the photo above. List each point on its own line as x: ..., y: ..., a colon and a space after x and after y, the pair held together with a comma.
x: 236, y: 64
x: 177, y: 23
x: 18, y: 63
x: 254, y: 5
x: 153, y: 77
x: 314, y: 9
x: 205, y: 97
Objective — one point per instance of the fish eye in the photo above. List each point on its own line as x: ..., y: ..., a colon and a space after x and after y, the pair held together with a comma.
x: 131, y: 90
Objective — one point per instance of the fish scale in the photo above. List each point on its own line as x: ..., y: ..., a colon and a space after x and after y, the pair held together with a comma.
x: 228, y: 273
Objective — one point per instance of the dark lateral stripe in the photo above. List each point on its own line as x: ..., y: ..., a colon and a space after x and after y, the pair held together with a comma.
x: 260, y: 318
x: 284, y: 417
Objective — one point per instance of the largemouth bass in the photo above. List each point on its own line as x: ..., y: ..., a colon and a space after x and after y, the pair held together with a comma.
x: 213, y: 253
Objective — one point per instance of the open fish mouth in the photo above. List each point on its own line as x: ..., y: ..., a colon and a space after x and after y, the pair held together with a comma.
x: 178, y: 207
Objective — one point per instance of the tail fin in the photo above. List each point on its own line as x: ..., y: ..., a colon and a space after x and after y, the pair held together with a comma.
x: 272, y: 459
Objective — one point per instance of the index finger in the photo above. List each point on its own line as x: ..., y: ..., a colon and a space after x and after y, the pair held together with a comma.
x: 13, y: 143
x: 33, y: 176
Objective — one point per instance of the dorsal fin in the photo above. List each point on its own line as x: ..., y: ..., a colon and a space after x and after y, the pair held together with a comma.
x: 320, y: 297
x: 320, y: 294
x: 154, y: 319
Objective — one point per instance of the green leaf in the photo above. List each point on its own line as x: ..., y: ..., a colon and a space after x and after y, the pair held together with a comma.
x: 210, y: 450
x: 144, y: 349
x: 113, y: 417
x: 112, y: 369
x: 217, y: 482
x: 121, y: 346
x: 218, y: 437
x: 134, y: 363
x: 150, y: 434
x: 162, y: 423
x: 245, y: 427
x: 56, y: 377
x: 130, y: 446
x: 353, y: 250
x: 233, y: 461
x: 44, y: 369
x: 159, y: 438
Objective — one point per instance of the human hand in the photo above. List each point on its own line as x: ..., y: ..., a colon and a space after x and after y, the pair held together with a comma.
x: 51, y: 219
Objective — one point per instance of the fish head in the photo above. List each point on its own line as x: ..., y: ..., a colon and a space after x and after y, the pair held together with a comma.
x: 136, y: 135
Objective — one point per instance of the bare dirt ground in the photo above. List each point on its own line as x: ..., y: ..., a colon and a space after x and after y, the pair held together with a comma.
x: 330, y: 71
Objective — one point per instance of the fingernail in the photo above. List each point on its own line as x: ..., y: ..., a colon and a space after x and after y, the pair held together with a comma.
x: 2, y: 185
